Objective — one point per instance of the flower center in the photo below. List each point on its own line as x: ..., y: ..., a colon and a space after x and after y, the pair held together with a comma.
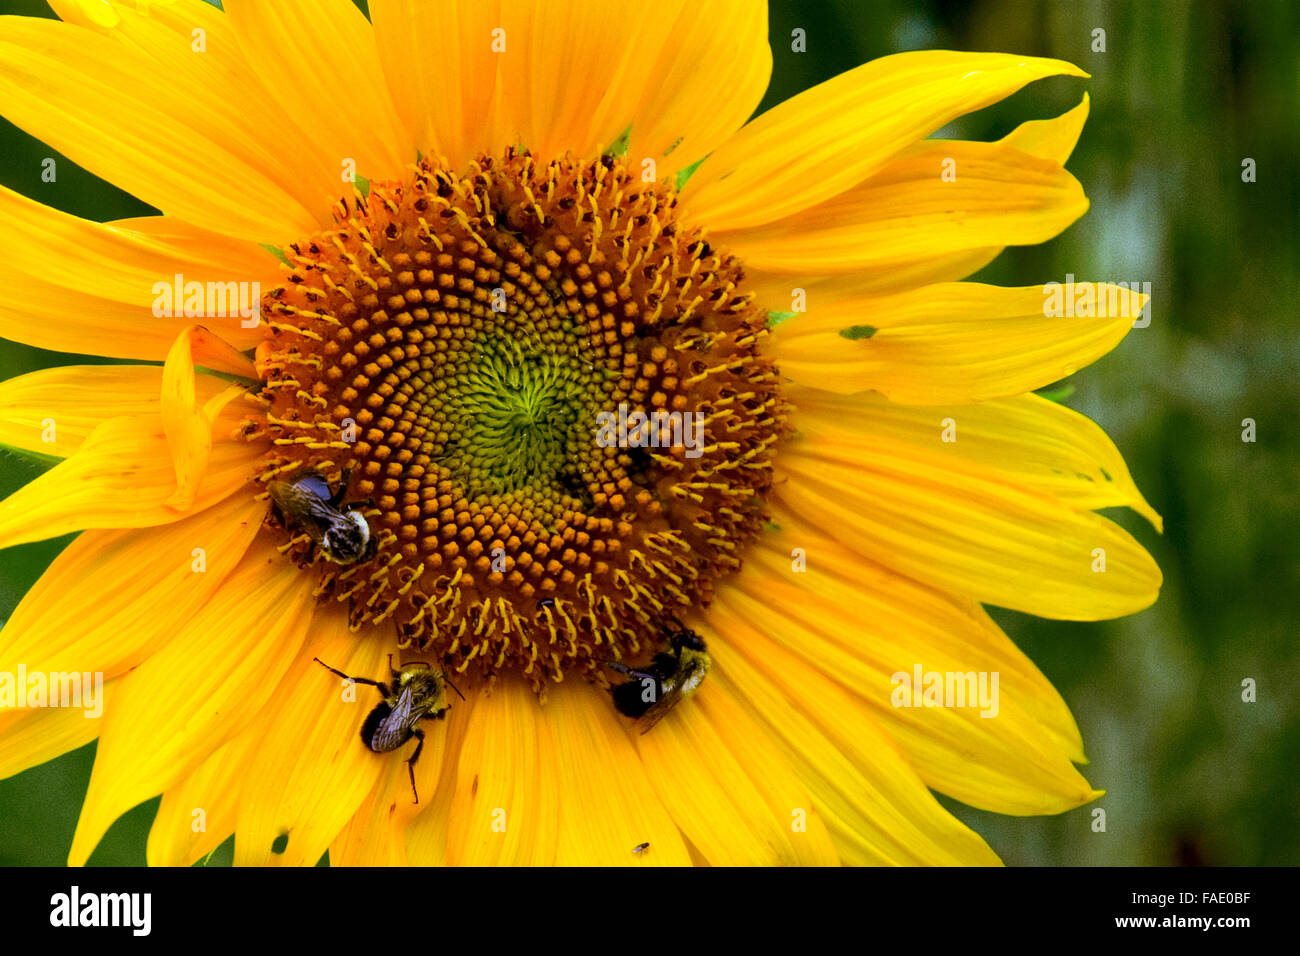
x: 545, y: 396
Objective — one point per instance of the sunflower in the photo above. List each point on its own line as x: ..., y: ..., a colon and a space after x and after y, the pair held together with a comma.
x: 471, y: 231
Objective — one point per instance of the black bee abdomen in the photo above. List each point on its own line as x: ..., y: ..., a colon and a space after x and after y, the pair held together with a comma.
x: 373, y: 720
x: 628, y: 697
x: 664, y: 663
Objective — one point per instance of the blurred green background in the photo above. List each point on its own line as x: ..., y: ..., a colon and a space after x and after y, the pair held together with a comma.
x: 1182, y: 94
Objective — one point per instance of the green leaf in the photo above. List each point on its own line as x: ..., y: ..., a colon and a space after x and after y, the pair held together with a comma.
x: 686, y: 173
x: 619, y: 146
x: 39, y: 461
x: 223, y: 855
x: 776, y: 318
x: 20, y: 566
x: 362, y: 184
x: 277, y: 252
x: 1057, y: 394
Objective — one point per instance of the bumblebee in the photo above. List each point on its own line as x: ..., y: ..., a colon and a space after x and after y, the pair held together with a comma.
x: 308, y: 504
x: 416, y: 694
x: 674, y: 674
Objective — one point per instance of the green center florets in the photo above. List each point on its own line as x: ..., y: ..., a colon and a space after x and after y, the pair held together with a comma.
x: 525, y: 416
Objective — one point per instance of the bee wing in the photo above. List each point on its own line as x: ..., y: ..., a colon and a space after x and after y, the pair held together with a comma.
x: 659, y: 709
x: 392, y: 730
x: 315, y: 485
x: 669, y: 699
x: 301, y: 502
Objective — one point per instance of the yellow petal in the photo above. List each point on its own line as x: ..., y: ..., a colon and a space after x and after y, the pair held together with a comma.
x: 310, y: 53
x: 473, y: 76
x: 121, y: 260
x: 93, y: 13
x: 589, y: 66
x: 197, y: 814
x: 1052, y: 139
x: 97, y: 606
x: 858, y: 120
x: 908, y: 215
x: 502, y: 809
x: 29, y: 738
x: 91, y: 287
x: 368, y: 839
x: 186, y: 422
x: 709, y: 79
x: 1025, y: 440
x: 955, y: 342
x: 876, y: 807
x: 608, y: 803
x: 108, y: 111
x: 93, y: 489
x: 193, y: 44
x: 189, y: 435
x: 728, y: 788
x: 442, y: 71
x: 968, y: 534
x: 311, y: 769
x: 861, y: 626
x: 200, y: 690
x: 387, y: 822
x: 65, y: 404
x: 786, y: 292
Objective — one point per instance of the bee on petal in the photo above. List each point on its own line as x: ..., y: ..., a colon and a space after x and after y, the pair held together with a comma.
x: 416, y: 693
x: 674, y: 674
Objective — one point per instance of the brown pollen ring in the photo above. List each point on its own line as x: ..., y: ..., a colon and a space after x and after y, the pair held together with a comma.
x: 459, y: 346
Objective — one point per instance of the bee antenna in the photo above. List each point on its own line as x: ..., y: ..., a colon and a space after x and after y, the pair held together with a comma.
x: 453, y: 687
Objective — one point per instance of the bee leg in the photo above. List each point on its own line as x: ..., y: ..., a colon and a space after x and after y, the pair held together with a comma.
x: 356, y: 680
x: 621, y: 668
x: 410, y: 764
x: 345, y: 479
x: 629, y: 672
x: 453, y: 687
